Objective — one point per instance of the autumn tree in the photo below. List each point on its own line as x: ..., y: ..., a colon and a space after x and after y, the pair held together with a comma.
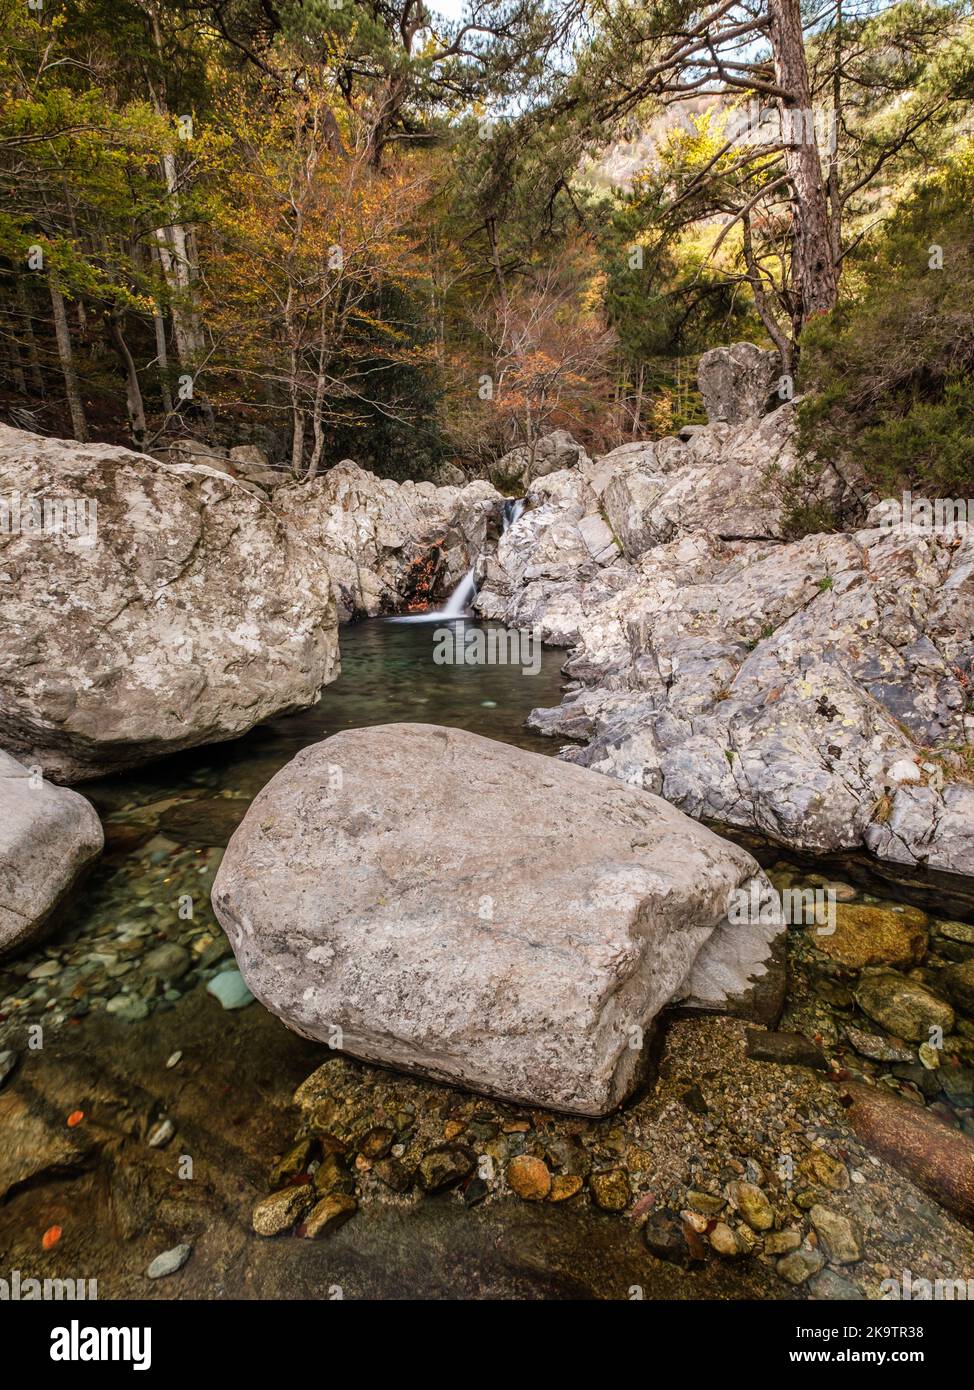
x: 310, y: 243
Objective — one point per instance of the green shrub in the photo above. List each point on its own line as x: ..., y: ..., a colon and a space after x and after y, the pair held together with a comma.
x: 890, y: 372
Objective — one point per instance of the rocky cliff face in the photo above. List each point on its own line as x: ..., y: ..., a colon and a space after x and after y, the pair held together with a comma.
x: 815, y: 690
x: 369, y: 532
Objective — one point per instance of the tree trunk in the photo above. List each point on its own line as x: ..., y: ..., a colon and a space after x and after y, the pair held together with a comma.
x: 162, y: 347
x: 813, y: 267
x: 133, y: 391
x: 79, y: 424
x: 27, y: 323
x: 297, y: 441
x: 12, y: 352
x: 173, y: 242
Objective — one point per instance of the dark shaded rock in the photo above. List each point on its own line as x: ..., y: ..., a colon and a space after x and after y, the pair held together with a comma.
x: 957, y: 982
x: 670, y: 1239
x: 208, y: 821
x: 445, y: 1167
x: 903, y: 1006
x: 787, y: 1049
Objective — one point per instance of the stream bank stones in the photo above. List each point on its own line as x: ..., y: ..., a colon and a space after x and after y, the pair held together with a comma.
x: 473, y: 912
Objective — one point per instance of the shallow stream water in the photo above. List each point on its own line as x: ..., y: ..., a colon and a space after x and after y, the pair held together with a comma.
x: 123, y: 983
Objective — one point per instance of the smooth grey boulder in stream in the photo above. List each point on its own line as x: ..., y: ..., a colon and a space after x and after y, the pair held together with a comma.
x: 435, y: 901
x: 48, y: 837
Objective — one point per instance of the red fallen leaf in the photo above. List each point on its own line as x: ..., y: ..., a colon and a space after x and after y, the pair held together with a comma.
x: 646, y: 1202
x: 75, y: 1118
x: 50, y: 1237
x: 695, y: 1245
x: 299, y: 1180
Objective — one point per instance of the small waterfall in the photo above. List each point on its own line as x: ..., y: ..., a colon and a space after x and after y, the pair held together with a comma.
x: 513, y: 511
x: 458, y: 604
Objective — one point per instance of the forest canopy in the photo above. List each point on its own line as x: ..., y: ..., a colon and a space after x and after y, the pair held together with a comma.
x: 363, y: 228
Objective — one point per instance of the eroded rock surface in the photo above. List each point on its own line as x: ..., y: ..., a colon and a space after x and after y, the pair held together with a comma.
x: 186, y: 613
x: 471, y: 911
x: 368, y: 531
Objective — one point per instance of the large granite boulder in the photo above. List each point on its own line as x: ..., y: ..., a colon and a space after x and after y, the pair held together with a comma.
x: 172, y: 608
x: 523, y: 464
x: 371, y: 531
x: 48, y: 837
x: 438, y: 902
x: 736, y: 382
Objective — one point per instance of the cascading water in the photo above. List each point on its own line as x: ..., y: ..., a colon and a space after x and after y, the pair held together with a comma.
x: 458, y: 603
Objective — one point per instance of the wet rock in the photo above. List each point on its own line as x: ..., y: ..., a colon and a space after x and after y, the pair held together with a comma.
x: 787, y: 1049
x: 753, y: 1205
x: 343, y: 914
x: 878, y: 1048
x: 475, y: 1192
x: 958, y: 1084
x: 169, y: 1262
x: 705, y: 1202
x: 829, y: 1285
x: 128, y: 1007
x: 328, y: 1215
x: 8, y: 1060
x: 610, y: 1190
x: 830, y: 1172
x: 48, y: 838
x: 168, y: 962
x: 694, y: 1100
x: 444, y: 1167
x: 925, y: 1080
x: 395, y: 1174
x: 278, y: 1213
x: 727, y: 1242
x: 840, y: 1239
x: 781, y: 1242
x: 160, y: 1134
x: 867, y: 936
x: 231, y: 989
x: 903, y: 1007
x: 333, y: 1175
x: 205, y: 821
x: 799, y: 1265
x: 529, y: 1178
x: 957, y: 982
x: 564, y: 1186
x: 36, y: 1142
x: 668, y: 1238
x: 377, y: 1141
x: 961, y: 932
x: 293, y: 1162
